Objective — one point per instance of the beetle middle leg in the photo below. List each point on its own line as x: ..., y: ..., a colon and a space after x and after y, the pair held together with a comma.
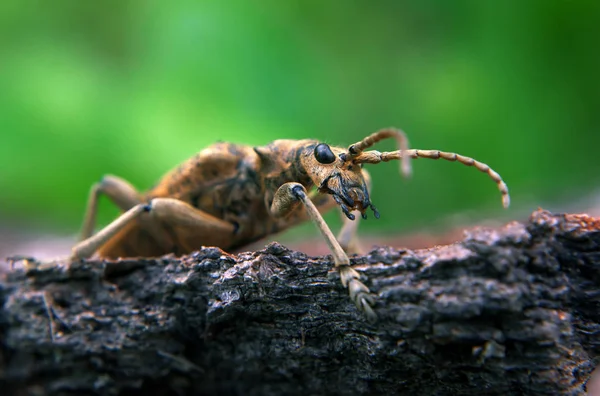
x: 286, y: 199
x: 118, y: 190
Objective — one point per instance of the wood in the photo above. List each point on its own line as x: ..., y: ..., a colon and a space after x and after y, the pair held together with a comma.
x: 509, y: 311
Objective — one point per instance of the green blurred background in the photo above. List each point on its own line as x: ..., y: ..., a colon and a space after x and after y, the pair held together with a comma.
x: 133, y: 87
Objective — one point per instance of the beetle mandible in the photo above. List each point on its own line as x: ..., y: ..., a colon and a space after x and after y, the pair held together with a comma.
x: 229, y: 195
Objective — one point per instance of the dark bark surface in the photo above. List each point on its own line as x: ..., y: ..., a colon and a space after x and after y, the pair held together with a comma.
x: 509, y: 311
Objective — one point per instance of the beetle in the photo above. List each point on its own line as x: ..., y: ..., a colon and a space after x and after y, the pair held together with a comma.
x: 229, y: 195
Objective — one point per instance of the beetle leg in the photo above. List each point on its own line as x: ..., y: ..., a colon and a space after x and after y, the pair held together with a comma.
x: 173, y: 211
x: 286, y: 199
x: 118, y: 190
x: 170, y: 210
x: 324, y: 203
x: 88, y: 246
x: 125, y: 197
x: 347, y: 235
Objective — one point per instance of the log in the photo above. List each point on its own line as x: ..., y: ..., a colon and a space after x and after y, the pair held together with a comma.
x: 507, y: 311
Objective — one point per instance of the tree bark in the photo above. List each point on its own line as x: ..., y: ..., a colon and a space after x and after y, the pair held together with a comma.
x: 509, y: 311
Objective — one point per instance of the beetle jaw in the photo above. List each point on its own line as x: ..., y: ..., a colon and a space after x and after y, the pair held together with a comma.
x: 349, y: 193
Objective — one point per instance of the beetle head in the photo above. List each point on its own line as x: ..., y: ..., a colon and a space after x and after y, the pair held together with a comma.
x: 334, y: 172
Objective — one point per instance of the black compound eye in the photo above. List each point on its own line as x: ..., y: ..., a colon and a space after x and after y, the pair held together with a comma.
x: 323, y: 154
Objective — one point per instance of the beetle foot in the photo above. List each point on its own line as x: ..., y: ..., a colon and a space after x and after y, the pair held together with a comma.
x: 359, y: 292
x: 32, y: 264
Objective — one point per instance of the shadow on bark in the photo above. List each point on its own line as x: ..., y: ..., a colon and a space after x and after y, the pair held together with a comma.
x: 509, y: 311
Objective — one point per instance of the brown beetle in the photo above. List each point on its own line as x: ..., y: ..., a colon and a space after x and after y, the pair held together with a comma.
x: 229, y: 195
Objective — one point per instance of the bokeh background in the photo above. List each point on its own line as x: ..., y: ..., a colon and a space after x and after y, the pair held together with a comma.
x: 133, y: 87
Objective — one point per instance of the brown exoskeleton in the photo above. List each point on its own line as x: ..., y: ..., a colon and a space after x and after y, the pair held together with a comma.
x: 229, y: 195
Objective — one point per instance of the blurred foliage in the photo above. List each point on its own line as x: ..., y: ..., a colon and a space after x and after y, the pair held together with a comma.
x: 133, y: 87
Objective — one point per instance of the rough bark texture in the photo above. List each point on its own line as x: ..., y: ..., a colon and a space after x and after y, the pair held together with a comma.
x: 510, y: 311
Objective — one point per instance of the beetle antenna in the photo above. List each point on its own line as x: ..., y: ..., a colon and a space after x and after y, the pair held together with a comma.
x: 356, y: 149
x: 375, y: 157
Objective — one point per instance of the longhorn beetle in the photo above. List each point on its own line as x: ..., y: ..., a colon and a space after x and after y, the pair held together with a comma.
x: 229, y: 195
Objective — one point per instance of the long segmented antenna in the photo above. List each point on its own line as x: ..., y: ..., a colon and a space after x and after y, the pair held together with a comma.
x: 375, y: 157
x: 357, y: 148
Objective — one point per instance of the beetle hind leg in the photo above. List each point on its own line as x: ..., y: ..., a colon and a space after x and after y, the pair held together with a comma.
x: 159, y: 210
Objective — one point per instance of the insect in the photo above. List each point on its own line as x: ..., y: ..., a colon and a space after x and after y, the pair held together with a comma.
x: 229, y: 195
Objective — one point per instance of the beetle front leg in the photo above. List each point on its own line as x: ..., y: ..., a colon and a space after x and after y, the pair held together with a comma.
x: 347, y: 235
x: 286, y: 199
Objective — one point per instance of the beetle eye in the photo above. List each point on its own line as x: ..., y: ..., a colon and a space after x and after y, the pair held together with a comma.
x: 323, y: 154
